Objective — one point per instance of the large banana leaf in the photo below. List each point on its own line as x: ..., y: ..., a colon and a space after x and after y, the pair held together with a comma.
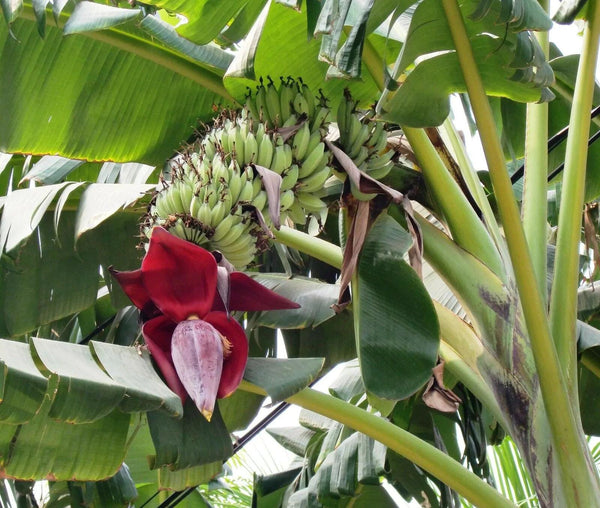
x: 114, y: 94
x: 71, y: 408
x: 48, y: 276
x: 509, y: 59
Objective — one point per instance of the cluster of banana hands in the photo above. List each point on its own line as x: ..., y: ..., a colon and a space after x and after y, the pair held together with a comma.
x: 262, y: 165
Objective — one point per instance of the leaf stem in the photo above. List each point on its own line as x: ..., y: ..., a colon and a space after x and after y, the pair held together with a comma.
x: 409, y: 446
x: 580, y: 482
x: 467, y: 230
x: 311, y: 245
x: 534, y: 207
x: 563, y: 305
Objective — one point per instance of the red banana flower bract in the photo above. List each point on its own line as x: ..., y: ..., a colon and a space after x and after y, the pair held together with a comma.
x: 200, y: 350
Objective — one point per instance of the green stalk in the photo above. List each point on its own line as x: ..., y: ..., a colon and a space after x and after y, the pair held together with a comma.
x: 160, y: 55
x: 563, y: 305
x: 374, y: 63
x: 467, y: 230
x: 564, y: 92
x: 580, y: 482
x: 468, y: 172
x: 591, y: 362
x: 315, y: 247
x: 402, y: 442
x: 534, y: 206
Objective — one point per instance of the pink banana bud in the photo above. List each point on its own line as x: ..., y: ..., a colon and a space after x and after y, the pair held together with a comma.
x: 197, y: 351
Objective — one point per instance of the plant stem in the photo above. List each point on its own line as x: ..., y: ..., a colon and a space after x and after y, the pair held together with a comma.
x: 315, y: 247
x: 402, y: 442
x: 579, y: 481
x: 563, y: 305
x: 534, y: 206
x: 470, y: 176
x: 374, y: 64
x: 467, y: 230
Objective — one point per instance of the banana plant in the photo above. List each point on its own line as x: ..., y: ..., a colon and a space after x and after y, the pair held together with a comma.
x: 101, y: 133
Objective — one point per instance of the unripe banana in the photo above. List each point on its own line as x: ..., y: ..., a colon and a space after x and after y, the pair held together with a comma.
x: 187, y: 193
x: 265, y: 152
x: 378, y: 161
x: 310, y: 99
x: 354, y: 130
x: 315, y: 181
x: 312, y: 161
x: 233, y: 233
x: 361, y: 138
x: 301, y: 106
x: 278, y: 164
x: 251, y: 106
x: 223, y: 227
x: 247, y: 192
x: 362, y: 155
x: 300, y: 142
x: 320, y: 118
x: 286, y: 96
x: 241, y: 261
x: 381, y: 172
x: 261, y: 105
x: 296, y: 213
x: 161, y: 205
x: 256, y: 186
x: 239, y: 146
x: 260, y: 132
x: 250, y: 148
x: 211, y: 196
x: 286, y: 200
x: 235, y: 182
x: 195, y: 205
x: 292, y: 120
x: 273, y: 106
x: 218, y: 212
x: 287, y: 151
x: 204, y: 214
x: 289, y: 177
x: 315, y: 139
x: 245, y: 243
x: 260, y: 200
x: 310, y: 202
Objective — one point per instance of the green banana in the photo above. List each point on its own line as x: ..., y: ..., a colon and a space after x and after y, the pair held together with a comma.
x: 315, y: 181
x: 312, y: 161
x: 300, y: 142
x: 273, y: 105
x: 265, y: 152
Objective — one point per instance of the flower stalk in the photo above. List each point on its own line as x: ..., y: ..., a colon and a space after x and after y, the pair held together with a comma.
x: 416, y: 450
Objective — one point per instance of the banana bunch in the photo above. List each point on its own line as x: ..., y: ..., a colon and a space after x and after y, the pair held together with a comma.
x: 203, y: 203
x: 363, y: 139
x: 287, y: 105
x: 213, y: 181
x: 307, y: 162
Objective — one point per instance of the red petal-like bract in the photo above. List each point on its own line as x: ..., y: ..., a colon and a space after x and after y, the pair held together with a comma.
x: 132, y: 284
x: 157, y: 334
x: 248, y: 295
x: 180, y: 277
x: 235, y: 363
x: 197, y: 350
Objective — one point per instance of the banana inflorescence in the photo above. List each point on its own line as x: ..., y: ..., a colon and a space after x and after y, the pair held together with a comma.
x: 216, y: 198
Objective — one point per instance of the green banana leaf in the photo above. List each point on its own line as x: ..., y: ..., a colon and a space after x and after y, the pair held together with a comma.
x: 397, y: 331
x: 144, y: 98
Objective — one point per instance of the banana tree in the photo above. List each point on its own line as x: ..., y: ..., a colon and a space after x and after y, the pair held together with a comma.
x: 98, y: 98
